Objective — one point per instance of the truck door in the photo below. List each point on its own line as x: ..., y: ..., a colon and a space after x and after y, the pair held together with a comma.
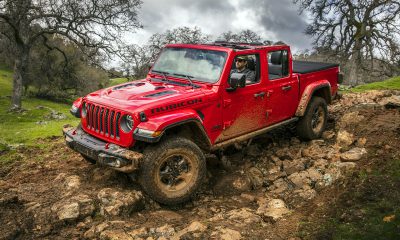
x: 282, y: 87
x: 244, y: 108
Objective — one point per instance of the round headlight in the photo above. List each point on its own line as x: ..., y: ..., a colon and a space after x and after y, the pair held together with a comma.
x: 127, y: 123
x: 84, y: 111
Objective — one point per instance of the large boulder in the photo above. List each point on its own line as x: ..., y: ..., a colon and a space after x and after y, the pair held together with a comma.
x: 272, y: 210
x: 71, y: 209
x: 119, y: 202
x: 226, y: 234
x: 244, y: 216
x: 344, y: 138
x: 353, y: 154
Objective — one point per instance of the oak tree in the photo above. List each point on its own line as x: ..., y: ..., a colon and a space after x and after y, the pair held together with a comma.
x: 93, y: 25
x: 362, y: 32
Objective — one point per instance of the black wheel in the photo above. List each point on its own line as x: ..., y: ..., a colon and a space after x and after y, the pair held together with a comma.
x: 172, y: 171
x: 313, y: 123
x: 88, y: 159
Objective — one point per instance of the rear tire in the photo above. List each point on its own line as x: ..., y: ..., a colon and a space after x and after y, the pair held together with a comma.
x: 172, y: 171
x: 313, y: 123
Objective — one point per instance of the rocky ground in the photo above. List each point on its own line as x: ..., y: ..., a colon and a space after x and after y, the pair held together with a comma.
x: 263, y: 189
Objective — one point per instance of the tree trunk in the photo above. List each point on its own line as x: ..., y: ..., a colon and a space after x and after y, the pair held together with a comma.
x: 355, y: 64
x: 20, y: 68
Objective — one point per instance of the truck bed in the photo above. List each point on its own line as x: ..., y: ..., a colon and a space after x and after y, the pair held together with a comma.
x: 304, y: 67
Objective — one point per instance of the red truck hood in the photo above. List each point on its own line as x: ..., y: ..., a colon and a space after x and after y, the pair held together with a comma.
x: 143, y: 94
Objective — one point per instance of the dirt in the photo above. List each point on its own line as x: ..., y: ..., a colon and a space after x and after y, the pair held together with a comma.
x: 53, y: 193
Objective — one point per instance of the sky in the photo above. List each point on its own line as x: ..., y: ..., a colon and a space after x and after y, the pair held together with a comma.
x: 272, y: 19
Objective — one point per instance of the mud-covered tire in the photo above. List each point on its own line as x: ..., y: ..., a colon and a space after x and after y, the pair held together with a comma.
x: 88, y: 159
x: 313, y: 123
x: 172, y: 170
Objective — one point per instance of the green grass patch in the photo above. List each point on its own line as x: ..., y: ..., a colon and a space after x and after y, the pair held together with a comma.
x: 116, y: 81
x: 33, y: 123
x: 389, y: 84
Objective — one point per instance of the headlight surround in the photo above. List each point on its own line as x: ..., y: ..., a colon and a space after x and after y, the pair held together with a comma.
x: 127, y: 123
x: 84, y: 111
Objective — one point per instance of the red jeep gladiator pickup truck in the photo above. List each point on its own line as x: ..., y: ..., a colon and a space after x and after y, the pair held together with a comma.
x: 193, y: 102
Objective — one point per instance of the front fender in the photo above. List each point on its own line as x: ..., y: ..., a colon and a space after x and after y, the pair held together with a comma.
x: 308, y: 93
x: 153, y: 129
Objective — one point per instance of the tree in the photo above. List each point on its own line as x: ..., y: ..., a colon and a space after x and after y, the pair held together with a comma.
x: 140, y: 58
x: 244, y: 36
x: 89, y: 24
x: 356, y: 30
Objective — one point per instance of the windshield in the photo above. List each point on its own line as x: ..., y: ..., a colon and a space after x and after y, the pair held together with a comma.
x: 203, y: 65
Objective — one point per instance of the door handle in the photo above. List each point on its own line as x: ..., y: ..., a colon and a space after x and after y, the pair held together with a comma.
x: 286, y: 88
x: 260, y: 94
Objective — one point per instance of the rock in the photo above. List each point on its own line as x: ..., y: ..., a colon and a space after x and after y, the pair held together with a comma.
x: 313, y: 151
x: 242, y: 183
x: 243, y: 216
x: 314, y: 174
x: 196, y: 227
x: 345, y: 167
x: 293, y: 166
x: 300, y: 180
x: 56, y: 115
x: 247, y: 197
x: 256, y: 177
x: 165, y: 231
x: 353, y: 155
x: 138, y: 233
x: 321, y: 164
x: 114, y: 203
x: 94, y: 231
x: 332, y: 174
x: 328, y: 135
x: 272, y: 210
x: 253, y: 150
x: 279, y: 186
x: 77, y: 207
x: 349, y: 119
x: 306, y: 194
x: 361, y: 142
x: 344, y: 139
x: 114, y: 235
x: 69, y: 211
x: 72, y: 182
x: 274, y: 173
x: 226, y: 234
x: 288, y: 153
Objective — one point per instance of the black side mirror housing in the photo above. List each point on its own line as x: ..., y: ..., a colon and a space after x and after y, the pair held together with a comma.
x: 236, y: 80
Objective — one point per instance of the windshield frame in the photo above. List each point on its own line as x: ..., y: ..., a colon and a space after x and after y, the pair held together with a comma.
x: 194, y: 78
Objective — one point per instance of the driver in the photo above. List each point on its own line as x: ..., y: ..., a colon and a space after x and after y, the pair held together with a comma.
x: 241, y: 67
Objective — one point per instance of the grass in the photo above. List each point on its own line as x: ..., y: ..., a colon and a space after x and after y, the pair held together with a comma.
x: 28, y: 126
x: 116, y: 81
x: 23, y: 127
x: 389, y: 84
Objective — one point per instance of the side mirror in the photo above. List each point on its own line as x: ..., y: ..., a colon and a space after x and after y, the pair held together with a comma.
x: 236, y: 80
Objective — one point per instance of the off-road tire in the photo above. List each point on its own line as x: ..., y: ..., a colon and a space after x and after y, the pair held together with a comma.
x: 88, y: 159
x: 155, y: 170
x: 313, y: 123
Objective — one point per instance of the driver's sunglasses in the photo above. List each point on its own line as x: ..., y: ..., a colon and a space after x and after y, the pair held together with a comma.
x: 240, y: 60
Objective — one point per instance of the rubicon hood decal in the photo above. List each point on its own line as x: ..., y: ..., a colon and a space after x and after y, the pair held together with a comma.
x: 176, y: 105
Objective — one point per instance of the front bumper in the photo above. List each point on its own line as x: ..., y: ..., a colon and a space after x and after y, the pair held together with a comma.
x: 110, y: 155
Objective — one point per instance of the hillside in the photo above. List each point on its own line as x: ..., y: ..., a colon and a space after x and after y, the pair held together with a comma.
x: 343, y: 186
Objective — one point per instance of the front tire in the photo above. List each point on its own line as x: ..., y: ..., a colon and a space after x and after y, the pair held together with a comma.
x: 313, y: 123
x: 172, y: 171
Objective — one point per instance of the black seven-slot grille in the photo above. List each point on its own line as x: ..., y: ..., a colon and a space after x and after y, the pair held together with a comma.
x: 103, y: 120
